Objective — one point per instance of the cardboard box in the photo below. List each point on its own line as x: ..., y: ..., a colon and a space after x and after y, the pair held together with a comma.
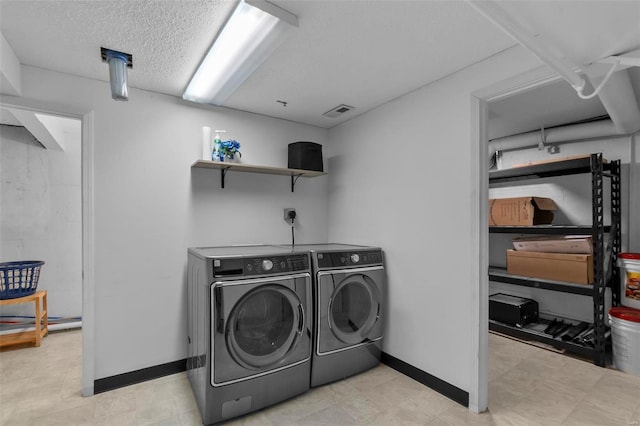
x: 521, y: 211
x: 577, y: 244
x: 573, y: 268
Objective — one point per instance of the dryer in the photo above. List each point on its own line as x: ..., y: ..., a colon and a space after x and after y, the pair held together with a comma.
x: 249, y: 328
x: 349, y: 289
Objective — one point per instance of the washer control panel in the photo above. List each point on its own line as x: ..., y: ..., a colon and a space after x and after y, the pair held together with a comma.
x: 349, y: 259
x: 260, y: 265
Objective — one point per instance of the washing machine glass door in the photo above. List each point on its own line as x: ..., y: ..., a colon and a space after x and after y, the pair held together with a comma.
x: 259, y: 326
x: 354, y: 308
x: 264, y: 325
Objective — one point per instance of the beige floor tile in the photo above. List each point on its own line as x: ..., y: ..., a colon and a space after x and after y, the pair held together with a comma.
x: 296, y: 408
x: 338, y: 391
x: 586, y: 414
x: 401, y: 416
x: 615, y: 394
x: 529, y: 386
x: 461, y: 416
x: 80, y: 415
x: 437, y: 421
x: 120, y: 419
x: 515, y: 419
x: 330, y: 416
x: 116, y: 402
x: 373, y: 377
x: 191, y: 418
x: 359, y: 407
x: 156, y: 412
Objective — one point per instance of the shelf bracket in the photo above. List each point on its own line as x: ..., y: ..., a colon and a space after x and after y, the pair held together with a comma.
x: 223, y: 173
x: 543, y: 139
x: 294, y: 179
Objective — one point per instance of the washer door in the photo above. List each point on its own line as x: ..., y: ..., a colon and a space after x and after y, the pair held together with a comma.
x: 349, y: 308
x: 264, y: 325
x: 259, y: 326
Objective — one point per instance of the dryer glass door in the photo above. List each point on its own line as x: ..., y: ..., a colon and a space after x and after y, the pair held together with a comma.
x: 354, y: 308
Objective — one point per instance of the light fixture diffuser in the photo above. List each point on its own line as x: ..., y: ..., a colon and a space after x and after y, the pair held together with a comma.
x: 254, y: 30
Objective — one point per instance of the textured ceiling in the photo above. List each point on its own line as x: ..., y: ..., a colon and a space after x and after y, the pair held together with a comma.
x: 360, y: 53
x: 167, y: 38
x: 364, y: 53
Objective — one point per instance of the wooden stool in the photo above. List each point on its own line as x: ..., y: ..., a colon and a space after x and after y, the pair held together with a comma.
x: 42, y: 321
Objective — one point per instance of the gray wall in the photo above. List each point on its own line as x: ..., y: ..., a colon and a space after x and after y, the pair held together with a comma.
x: 401, y: 178
x: 150, y: 206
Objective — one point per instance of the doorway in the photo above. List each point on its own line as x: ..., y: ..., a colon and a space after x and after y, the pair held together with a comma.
x: 479, y: 395
x: 57, y: 201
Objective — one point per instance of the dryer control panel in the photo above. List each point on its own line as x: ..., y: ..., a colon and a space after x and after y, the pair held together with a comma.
x: 260, y: 265
x: 349, y: 258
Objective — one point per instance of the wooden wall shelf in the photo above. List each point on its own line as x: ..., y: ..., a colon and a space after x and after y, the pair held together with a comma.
x: 224, y: 167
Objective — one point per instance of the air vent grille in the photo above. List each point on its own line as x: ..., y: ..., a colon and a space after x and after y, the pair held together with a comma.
x: 338, y: 111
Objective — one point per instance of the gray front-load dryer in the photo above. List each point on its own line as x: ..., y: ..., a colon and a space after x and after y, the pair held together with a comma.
x: 349, y: 289
x: 249, y: 328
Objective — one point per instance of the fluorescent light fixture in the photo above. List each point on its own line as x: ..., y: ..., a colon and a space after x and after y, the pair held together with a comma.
x: 254, y: 30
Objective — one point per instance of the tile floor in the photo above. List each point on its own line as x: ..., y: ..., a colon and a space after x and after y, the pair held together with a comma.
x: 528, y: 386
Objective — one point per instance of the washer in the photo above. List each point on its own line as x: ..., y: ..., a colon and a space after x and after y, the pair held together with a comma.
x: 349, y: 288
x: 249, y: 328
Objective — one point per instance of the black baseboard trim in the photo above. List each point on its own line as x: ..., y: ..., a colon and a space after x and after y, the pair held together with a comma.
x: 438, y: 385
x: 138, y: 376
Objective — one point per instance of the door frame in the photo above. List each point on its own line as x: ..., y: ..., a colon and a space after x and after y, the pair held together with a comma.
x: 479, y: 100
x: 88, y: 244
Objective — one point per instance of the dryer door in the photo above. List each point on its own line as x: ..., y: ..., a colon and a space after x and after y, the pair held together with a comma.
x: 259, y: 326
x: 349, y: 308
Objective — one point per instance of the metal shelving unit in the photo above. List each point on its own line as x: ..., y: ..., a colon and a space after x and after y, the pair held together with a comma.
x: 604, y: 253
x: 531, y: 331
x: 544, y: 229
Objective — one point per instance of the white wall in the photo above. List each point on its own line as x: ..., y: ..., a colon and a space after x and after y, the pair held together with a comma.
x: 401, y: 179
x: 572, y: 194
x: 150, y: 206
x: 41, y: 216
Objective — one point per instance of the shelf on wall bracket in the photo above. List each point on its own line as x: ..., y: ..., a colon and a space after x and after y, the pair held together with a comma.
x: 294, y: 179
x: 223, y: 173
x: 224, y: 167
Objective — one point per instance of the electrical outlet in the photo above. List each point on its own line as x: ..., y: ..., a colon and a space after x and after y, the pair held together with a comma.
x: 288, y: 213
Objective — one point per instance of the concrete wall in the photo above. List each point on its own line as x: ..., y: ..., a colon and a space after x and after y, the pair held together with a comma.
x: 401, y: 179
x: 150, y: 206
x: 41, y: 215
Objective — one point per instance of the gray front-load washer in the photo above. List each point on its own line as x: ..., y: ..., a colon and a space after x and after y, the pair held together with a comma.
x: 249, y: 328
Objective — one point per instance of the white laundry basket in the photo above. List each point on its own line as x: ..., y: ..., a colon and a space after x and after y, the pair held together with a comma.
x: 629, y: 264
x: 625, y: 338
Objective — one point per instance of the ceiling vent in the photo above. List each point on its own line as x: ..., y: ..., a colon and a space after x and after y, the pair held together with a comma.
x: 338, y: 111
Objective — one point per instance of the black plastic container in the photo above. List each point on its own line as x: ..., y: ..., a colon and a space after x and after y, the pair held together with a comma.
x: 305, y: 156
x: 512, y: 310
